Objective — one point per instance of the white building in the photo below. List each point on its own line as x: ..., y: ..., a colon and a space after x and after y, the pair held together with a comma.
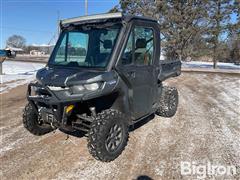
x: 37, y: 53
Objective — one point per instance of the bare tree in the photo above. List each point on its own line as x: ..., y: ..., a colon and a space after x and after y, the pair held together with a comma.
x: 16, y: 41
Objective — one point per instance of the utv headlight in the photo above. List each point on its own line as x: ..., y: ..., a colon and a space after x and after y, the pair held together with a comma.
x: 56, y: 88
x: 89, y: 87
x: 92, y: 87
x: 34, y: 90
x: 79, y: 87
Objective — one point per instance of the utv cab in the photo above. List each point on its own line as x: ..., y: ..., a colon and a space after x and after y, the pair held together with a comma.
x: 103, y: 75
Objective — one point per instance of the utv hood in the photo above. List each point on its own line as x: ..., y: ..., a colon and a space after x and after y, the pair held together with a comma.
x: 62, y: 77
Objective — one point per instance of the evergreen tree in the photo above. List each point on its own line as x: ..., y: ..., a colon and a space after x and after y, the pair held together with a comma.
x: 179, y: 21
x: 219, y: 13
x: 190, y: 28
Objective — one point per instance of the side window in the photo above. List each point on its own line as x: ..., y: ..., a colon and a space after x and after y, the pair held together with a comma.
x: 140, y: 47
x: 144, y: 46
x: 162, y: 54
x: 128, y: 52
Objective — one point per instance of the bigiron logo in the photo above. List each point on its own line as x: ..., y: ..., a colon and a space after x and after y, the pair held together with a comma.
x: 202, y: 171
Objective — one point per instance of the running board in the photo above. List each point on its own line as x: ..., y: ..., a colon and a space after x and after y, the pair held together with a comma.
x: 141, y: 118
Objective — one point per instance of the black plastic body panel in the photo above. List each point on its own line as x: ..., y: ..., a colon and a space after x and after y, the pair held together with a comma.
x: 136, y: 97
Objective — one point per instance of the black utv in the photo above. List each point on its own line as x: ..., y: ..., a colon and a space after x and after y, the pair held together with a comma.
x: 103, y: 76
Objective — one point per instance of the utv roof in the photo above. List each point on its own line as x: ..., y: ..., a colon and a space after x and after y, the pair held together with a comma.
x: 101, y: 18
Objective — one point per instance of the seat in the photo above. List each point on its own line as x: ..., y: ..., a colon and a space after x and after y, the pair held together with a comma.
x: 142, y: 57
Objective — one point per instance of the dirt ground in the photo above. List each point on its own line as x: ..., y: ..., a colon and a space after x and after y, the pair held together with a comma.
x: 205, y: 129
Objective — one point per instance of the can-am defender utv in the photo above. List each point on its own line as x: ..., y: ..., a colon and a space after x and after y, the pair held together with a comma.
x: 103, y: 75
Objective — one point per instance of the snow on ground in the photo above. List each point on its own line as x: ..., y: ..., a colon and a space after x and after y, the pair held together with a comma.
x: 17, y: 73
x: 200, y: 64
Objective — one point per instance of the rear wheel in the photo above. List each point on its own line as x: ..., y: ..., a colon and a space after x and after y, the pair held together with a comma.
x: 33, y: 123
x: 108, y: 135
x: 168, y: 102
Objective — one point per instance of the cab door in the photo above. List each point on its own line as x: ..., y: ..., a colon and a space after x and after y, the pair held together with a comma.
x: 138, y: 69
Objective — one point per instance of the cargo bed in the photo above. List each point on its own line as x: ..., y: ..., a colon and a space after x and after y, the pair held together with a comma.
x: 169, y: 68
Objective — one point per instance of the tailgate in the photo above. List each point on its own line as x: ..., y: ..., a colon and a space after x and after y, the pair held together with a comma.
x: 169, y: 69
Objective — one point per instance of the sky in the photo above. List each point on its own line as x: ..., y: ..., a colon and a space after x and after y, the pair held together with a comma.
x: 36, y: 20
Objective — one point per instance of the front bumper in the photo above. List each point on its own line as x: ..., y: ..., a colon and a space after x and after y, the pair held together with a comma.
x: 55, y: 103
x: 58, y: 101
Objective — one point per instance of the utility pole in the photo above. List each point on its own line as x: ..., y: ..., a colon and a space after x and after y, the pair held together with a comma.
x: 58, y: 22
x: 86, y: 7
x: 1, y: 23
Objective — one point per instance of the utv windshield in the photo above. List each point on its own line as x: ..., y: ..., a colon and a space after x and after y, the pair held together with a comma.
x: 91, y: 47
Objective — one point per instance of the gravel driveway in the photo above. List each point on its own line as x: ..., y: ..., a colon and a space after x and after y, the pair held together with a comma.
x: 205, y: 129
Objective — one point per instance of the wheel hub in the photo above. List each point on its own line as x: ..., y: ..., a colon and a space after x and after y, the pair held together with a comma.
x: 114, y: 138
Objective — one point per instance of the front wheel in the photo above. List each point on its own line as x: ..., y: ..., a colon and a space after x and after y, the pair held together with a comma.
x: 168, y: 102
x: 33, y: 123
x: 108, y: 135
